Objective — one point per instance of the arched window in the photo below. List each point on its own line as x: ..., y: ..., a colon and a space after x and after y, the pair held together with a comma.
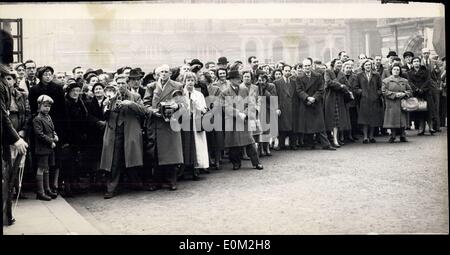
x: 415, y: 45
x: 277, y: 51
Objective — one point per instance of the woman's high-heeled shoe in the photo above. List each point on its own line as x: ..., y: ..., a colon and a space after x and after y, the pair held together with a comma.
x: 336, y: 145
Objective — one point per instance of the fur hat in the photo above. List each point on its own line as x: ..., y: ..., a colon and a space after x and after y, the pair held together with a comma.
x: 97, y: 84
x: 72, y: 83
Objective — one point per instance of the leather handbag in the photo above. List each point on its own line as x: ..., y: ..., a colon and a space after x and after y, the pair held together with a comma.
x: 413, y: 104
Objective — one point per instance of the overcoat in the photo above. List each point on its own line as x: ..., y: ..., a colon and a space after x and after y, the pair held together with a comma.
x: 44, y: 131
x: 370, y: 107
x: 215, y: 106
x: 75, y: 122
x: 310, y: 117
x: 169, y: 150
x: 95, y: 132
x: 266, y: 110
x: 394, y: 117
x: 130, y: 115
x: 421, y: 86
x: 233, y: 100
x: 253, y: 94
x: 336, y: 110
x: 288, y: 104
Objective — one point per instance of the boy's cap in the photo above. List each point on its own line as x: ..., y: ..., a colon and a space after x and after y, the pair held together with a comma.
x: 43, y: 99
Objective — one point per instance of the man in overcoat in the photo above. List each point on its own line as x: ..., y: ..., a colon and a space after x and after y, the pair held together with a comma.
x: 122, y: 141
x: 239, y: 109
x: 288, y: 104
x: 163, y: 149
x: 310, y: 90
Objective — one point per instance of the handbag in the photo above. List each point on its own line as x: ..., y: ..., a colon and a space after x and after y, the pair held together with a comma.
x: 413, y: 104
x: 422, y: 106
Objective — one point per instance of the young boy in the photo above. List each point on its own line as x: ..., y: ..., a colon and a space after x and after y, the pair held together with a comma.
x: 45, y: 142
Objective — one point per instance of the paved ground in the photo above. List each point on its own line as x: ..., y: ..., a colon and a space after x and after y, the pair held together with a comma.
x: 56, y: 217
x: 376, y: 188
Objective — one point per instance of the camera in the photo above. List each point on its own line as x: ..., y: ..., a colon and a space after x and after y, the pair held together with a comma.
x: 166, y: 111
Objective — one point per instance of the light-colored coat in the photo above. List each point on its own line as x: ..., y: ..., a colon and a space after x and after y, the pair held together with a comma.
x: 394, y: 117
x: 168, y: 141
x: 197, y: 105
x: 131, y: 115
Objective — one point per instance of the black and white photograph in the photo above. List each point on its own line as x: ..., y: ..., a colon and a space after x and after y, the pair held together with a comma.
x: 224, y: 117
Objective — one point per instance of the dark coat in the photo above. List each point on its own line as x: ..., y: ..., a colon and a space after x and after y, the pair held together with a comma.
x: 237, y: 138
x: 287, y: 103
x: 336, y: 111
x: 76, y: 116
x: 421, y: 85
x: 44, y: 134
x: 266, y: 110
x: 169, y: 150
x: 57, y: 111
x: 96, y: 129
x: 310, y: 117
x: 214, y: 103
x: 394, y: 117
x: 370, y: 107
x: 131, y: 116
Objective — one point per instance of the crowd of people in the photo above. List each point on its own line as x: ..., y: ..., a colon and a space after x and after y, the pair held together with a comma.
x: 113, y: 128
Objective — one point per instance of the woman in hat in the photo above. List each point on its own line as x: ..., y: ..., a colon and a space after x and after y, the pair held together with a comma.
x: 370, y: 108
x: 45, y: 143
x: 395, y: 88
x: 337, y: 117
x: 48, y: 87
x: 75, y: 135
x: 267, y: 111
x: 420, y: 81
x: 96, y: 120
